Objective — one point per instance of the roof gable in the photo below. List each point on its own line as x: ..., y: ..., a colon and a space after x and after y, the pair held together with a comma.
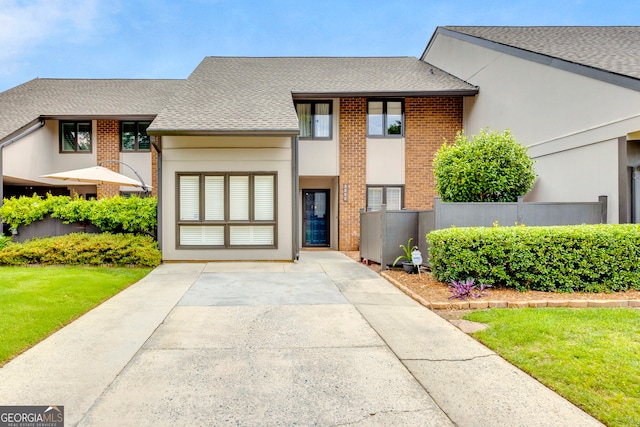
x: 607, y: 53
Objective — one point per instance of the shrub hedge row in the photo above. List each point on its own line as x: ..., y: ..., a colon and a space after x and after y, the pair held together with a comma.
x: 84, y: 249
x: 116, y: 214
x: 586, y: 258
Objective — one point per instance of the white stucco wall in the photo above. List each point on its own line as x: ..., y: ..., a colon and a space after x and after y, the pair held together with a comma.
x: 38, y: 154
x: 385, y: 161
x: 569, y: 122
x: 227, y: 154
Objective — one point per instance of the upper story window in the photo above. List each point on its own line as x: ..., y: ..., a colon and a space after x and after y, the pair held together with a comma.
x: 133, y: 136
x: 75, y: 137
x: 314, y: 118
x: 385, y: 118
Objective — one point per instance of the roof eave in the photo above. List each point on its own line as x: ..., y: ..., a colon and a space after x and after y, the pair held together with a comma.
x: 399, y: 94
x: 224, y: 132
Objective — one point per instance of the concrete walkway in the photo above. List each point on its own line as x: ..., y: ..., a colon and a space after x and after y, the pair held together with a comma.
x: 323, y: 341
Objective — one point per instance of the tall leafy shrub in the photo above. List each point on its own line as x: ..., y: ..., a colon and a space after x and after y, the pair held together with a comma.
x: 489, y: 167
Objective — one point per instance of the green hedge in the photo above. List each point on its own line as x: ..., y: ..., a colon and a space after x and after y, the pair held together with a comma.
x: 84, y: 249
x: 587, y: 258
x: 116, y: 214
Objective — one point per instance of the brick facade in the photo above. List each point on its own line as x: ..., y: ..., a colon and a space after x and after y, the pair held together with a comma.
x: 428, y: 122
x: 353, y: 145
x: 108, y: 148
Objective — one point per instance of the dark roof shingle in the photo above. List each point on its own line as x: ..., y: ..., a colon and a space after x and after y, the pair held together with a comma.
x: 614, y: 49
x: 81, y: 97
x: 254, y: 94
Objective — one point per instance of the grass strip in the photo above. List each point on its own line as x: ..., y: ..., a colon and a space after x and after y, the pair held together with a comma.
x: 37, y: 301
x: 590, y: 356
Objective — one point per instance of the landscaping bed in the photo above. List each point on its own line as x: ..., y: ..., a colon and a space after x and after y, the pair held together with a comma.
x: 430, y: 291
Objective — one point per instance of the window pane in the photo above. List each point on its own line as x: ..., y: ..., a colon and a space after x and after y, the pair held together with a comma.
x: 239, y: 198
x: 128, y: 136
x: 263, y: 197
x: 144, y: 142
x: 374, y: 198
x: 201, y: 235
x: 322, y: 121
x: 68, y: 137
x: 394, y: 118
x: 394, y: 198
x: 189, y: 198
x: 251, y: 235
x: 304, y: 119
x: 214, y: 198
x: 84, y: 136
x: 374, y: 118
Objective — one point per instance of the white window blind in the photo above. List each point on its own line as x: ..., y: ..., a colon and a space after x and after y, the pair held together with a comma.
x: 251, y: 235
x: 394, y: 198
x: 189, y: 198
x: 263, y: 187
x: 374, y: 198
x: 214, y: 198
x: 238, y: 198
x: 201, y: 235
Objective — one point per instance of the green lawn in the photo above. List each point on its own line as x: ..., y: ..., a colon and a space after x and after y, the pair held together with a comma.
x: 590, y: 356
x: 37, y: 301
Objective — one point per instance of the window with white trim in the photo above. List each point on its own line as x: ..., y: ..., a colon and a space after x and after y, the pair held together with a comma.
x: 384, y: 195
x: 226, y: 210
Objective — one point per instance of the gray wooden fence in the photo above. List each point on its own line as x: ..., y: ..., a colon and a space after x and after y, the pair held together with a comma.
x: 382, y: 232
x: 51, y: 227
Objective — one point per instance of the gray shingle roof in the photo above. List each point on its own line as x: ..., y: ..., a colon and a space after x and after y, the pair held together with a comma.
x: 82, y: 98
x: 250, y: 94
x: 611, y: 49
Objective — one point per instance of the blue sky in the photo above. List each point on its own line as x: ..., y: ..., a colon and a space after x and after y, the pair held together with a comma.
x: 167, y: 38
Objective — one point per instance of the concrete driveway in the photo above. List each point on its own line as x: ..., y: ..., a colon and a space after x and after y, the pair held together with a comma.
x: 322, y: 341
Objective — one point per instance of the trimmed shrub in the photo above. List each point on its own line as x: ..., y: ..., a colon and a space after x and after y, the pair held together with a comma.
x: 84, y: 249
x: 490, y: 167
x: 115, y: 214
x: 587, y: 258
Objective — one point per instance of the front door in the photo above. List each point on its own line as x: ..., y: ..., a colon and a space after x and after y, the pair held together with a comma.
x: 316, y: 218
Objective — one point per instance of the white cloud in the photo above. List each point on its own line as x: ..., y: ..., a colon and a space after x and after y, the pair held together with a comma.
x: 28, y: 23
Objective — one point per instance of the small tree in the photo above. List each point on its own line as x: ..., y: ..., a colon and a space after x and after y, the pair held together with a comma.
x: 490, y: 167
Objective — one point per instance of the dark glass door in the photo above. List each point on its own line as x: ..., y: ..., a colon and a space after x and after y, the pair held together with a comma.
x: 316, y: 217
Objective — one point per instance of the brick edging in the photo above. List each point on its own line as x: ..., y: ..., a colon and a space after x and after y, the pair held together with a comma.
x: 477, y: 304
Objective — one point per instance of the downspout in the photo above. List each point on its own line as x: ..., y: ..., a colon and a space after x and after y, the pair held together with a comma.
x: 157, y: 144
x: 7, y: 143
x: 295, y: 186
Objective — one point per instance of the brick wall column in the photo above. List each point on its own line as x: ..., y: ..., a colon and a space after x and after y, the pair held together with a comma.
x: 108, y: 148
x: 428, y: 122
x: 353, y: 145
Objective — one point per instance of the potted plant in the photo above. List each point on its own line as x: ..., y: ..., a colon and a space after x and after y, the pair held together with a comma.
x: 407, y: 264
